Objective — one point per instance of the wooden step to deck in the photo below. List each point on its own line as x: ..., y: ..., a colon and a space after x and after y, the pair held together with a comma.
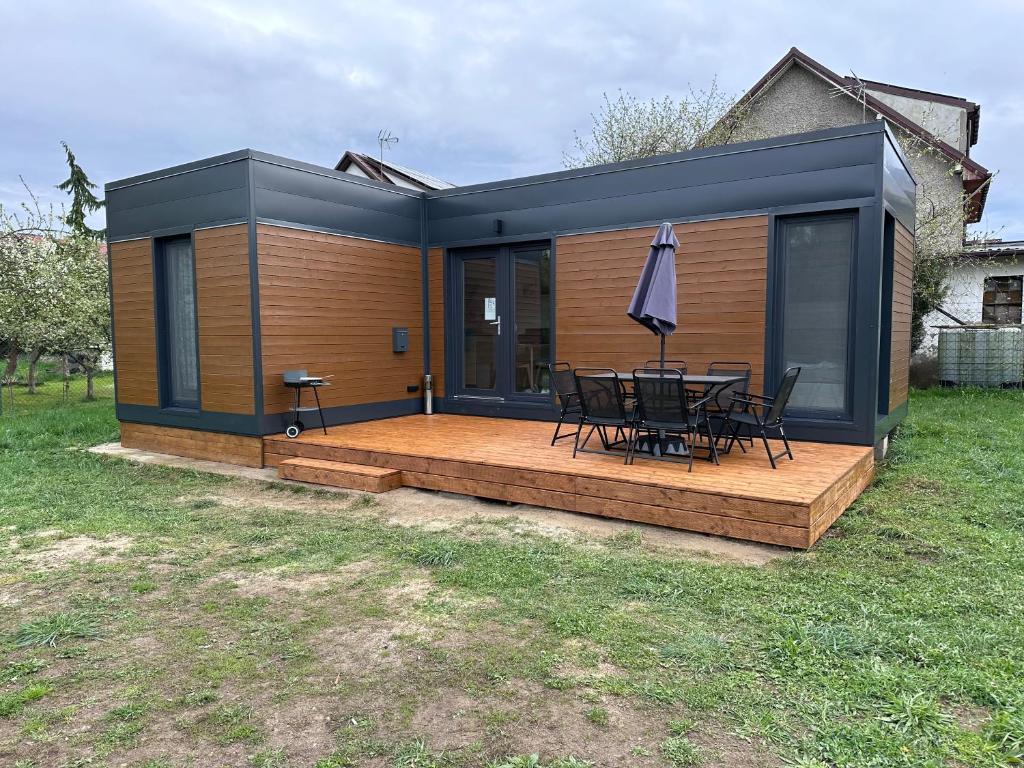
x: 341, y: 475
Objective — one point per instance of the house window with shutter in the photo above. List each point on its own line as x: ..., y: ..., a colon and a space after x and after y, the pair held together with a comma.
x: 1001, y: 304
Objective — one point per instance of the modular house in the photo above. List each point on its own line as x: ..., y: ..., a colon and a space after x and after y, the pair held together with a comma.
x: 226, y: 272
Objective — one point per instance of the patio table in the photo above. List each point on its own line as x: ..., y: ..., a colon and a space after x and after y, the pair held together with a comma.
x: 712, y: 383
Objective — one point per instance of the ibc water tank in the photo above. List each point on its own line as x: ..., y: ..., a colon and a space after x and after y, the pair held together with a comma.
x: 981, y: 357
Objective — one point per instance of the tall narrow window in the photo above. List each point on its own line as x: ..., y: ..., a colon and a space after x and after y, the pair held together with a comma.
x: 816, y: 262
x: 179, y: 348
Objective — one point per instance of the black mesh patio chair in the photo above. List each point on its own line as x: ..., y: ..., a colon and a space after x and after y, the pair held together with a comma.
x: 665, y: 409
x: 757, y: 412
x: 718, y: 406
x: 603, y: 407
x: 675, y: 365
x: 564, y: 384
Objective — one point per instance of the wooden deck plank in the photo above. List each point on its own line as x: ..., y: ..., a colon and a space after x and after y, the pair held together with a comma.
x: 355, y: 476
x: 512, y: 460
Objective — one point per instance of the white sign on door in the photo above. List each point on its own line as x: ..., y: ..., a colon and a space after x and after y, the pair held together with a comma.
x: 490, y: 308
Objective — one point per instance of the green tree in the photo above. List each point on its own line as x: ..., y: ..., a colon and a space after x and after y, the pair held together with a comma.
x: 81, y: 326
x: 83, y: 201
x: 54, y: 291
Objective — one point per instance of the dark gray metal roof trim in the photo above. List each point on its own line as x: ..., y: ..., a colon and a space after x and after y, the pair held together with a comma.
x: 894, y: 142
x: 787, y: 210
x: 333, y: 231
x: 177, y: 170
x: 864, y: 129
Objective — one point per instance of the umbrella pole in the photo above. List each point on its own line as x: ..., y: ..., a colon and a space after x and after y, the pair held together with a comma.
x: 662, y: 444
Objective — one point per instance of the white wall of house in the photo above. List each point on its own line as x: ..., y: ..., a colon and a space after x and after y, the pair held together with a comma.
x: 398, y: 181
x: 966, y: 289
x: 355, y: 170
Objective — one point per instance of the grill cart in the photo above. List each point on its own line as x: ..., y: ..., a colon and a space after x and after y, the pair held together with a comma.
x: 300, y: 380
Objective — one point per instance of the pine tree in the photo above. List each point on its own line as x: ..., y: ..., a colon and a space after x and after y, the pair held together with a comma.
x: 83, y: 201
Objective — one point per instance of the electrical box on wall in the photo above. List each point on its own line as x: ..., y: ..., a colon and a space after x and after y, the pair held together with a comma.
x: 399, y: 339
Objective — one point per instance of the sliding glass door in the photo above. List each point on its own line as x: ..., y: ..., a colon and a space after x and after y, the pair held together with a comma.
x: 502, y: 310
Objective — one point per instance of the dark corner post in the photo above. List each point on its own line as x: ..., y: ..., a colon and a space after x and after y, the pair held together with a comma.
x: 772, y: 315
x: 254, y: 296
x: 110, y: 301
x: 866, y: 336
x: 425, y: 277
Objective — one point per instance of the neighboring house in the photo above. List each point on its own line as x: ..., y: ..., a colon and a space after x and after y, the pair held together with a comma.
x: 358, y: 164
x: 935, y: 130
x: 986, y: 289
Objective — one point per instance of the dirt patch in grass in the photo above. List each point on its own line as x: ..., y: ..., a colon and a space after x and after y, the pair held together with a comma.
x: 280, y: 582
x: 721, y: 749
x: 248, y: 495
x: 302, y: 728
x: 434, y: 510
x: 411, y: 591
x: 59, y: 552
x: 348, y: 652
x: 557, y: 726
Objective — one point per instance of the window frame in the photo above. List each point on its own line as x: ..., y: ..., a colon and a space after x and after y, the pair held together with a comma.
x: 167, y: 402
x: 985, y: 305
x: 778, y: 313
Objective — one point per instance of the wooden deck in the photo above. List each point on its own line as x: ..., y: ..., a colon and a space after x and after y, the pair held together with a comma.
x: 511, y: 460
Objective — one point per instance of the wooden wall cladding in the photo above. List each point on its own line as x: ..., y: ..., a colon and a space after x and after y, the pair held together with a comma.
x: 902, y: 310
x: 435, y: 265
x: 328, y: 304
x: 225, y: 319
x: 131, y: 275
x: 193, y: 443
x: 722, y: 272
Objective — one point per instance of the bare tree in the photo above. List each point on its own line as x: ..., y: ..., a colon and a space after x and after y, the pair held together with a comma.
x: 939, y: 233
x: 627, y: 128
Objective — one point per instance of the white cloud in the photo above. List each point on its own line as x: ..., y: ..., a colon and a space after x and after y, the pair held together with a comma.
x: 475, y: 90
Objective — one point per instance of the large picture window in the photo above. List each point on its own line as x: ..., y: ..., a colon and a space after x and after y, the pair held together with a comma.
x: 816, y: 261
x: 178, y: 342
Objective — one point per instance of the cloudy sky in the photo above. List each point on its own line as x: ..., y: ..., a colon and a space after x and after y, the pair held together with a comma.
x: 475, y: 90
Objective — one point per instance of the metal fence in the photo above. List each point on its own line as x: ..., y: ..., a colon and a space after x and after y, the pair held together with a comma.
x: 55, y: 382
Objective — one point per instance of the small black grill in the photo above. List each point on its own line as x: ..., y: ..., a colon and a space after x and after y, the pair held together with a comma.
x: 300, y: 380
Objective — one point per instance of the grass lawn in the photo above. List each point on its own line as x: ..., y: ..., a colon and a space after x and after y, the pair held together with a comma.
x: 156, y: 617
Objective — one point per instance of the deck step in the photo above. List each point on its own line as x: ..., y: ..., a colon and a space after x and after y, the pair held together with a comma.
x: 358, y: 477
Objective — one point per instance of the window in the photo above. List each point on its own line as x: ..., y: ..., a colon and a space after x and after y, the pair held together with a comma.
x: 1002, y: 300
x: 816, y: 266
x: 179, y: 356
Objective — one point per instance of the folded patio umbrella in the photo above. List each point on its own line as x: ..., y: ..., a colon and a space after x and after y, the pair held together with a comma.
x: 654, y: 300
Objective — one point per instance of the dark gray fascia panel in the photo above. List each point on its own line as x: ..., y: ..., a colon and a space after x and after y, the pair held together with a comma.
x: 319, y: 170
x: 711, y: 201
x: 332, y: 204
x: 174, y: 170
x: 899, y: 191
x: 330, y: 189
x: 668, y: 174
x: 798, y: 139
x: 185, y: 199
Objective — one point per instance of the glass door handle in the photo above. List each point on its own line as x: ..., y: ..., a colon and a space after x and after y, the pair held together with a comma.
x: 497, y: 323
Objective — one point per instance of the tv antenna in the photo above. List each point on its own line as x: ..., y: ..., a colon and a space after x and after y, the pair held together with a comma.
x: 858, y: 91
x: 385, y: 140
